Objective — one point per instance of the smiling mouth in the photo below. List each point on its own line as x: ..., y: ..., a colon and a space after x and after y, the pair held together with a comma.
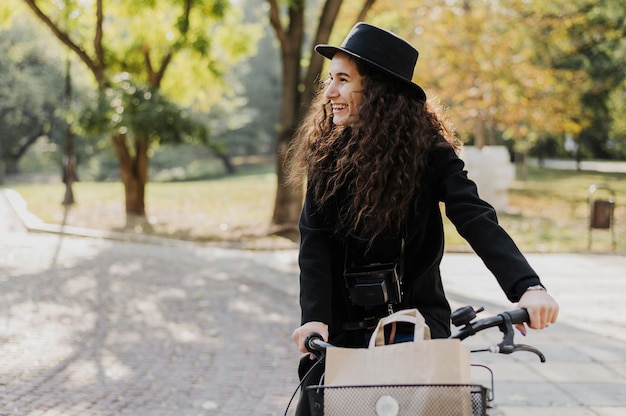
x: 339, y: 107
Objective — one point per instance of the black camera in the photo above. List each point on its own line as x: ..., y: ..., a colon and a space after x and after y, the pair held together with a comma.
x: 375, y: 284
x: 373, y: 271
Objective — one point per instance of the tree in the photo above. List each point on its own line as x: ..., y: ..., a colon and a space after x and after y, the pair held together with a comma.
x: 126, y: 107
x: 31, y: 92
x: 617, y: 104
x: 288, y: 20
x: 592, y: 40
x: 260, y: 76
x: 477, y: 59
x: 521, y: 70
x: 195, y: 40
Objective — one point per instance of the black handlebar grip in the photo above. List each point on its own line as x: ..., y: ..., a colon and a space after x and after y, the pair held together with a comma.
x: 310, y: 345
x: 518, y: 316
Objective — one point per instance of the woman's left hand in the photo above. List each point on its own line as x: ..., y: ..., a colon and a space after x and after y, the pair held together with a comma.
x: 542, y: 309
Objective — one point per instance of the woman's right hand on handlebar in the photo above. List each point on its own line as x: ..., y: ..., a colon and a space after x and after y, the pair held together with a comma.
x: 300, y: 334
x: 542, y: 309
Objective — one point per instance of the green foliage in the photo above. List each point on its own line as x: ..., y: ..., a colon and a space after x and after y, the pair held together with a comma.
x: 521, y: 71
x: 475, y: 60
x: 139, y: 110
x: 527, y: 72
x: 617, y: 106
x: 179, y: 48
x: 7, y: 11
x: 588, y: 38
x: 31, y: 92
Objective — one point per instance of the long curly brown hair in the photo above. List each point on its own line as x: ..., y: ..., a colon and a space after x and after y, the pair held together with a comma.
x: 372, y: 169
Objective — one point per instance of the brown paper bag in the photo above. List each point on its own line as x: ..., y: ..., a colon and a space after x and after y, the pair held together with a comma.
x: 421, y: 331
x: 438, y: 361
x: 422, y: 362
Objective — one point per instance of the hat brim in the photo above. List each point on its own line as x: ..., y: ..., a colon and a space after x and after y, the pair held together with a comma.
x: 328, y: 51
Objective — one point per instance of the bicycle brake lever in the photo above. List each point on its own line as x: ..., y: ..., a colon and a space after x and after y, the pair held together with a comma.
x: 508, y: 347
x: 530, y: 348
x: 501, y: 349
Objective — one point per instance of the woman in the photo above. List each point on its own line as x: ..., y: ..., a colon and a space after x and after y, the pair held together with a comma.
x: 379, y: 160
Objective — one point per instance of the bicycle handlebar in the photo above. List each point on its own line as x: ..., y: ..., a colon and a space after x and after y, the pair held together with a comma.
x: 504, y: 321
x: 315, y: 344
x: 517, y: 316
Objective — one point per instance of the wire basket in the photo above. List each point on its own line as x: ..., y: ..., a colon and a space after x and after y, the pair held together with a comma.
x: 400, y: 400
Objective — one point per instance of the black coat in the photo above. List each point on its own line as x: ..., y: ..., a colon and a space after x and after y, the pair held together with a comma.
x: 323, y: 292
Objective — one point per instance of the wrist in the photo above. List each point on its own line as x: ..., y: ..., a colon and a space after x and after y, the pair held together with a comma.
x: 534, y: 288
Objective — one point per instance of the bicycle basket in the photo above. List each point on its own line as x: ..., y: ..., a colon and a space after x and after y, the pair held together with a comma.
x: 399, y: 400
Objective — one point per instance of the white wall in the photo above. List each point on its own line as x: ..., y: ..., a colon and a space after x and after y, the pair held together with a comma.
x: 492, y: 170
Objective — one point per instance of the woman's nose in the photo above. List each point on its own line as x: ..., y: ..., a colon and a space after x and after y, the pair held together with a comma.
x: 331, y: 91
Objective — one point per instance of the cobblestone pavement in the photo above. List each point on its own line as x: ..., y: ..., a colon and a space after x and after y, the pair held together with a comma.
x: 91, y: 326
x: 96, y: 327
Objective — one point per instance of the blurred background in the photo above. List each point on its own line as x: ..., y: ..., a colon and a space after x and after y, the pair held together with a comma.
x: 170, y: 117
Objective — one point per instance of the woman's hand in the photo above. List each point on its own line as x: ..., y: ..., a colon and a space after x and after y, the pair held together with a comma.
x: 542, y: 309
x: 300, y: 334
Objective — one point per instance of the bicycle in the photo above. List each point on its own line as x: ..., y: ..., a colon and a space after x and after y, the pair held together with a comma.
x: 403, y: 400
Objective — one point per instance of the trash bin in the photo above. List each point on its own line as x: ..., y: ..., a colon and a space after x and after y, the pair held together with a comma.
x: 602, y: 214
x: 601, y: 210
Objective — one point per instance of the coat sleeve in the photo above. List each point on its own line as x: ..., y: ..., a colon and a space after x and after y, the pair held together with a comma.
x: 315, y: 265
x: 477, y: 222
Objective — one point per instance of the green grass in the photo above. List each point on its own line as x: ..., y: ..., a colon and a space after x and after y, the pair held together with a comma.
x: 548, y: 212
x: 227, y: 208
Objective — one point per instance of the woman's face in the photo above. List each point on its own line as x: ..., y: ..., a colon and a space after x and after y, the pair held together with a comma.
x: 344, y: 90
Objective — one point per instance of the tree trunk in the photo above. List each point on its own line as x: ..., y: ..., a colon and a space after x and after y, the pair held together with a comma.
x: 134, y: 174
x: 1, y: 163
x: 228, y: 165
x: 289, y: 200
x: 12, y: 165
x: 295, y: 99
x: 12, y: 159
x: 69, y: 167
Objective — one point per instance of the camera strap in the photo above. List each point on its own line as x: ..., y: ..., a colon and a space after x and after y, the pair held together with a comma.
x: 399, y: 259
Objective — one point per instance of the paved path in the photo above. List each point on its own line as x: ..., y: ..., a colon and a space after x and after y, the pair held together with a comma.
x: 92, y: 326
x: 98, y: 327
x: 585, y: 372
x: 590, y: 165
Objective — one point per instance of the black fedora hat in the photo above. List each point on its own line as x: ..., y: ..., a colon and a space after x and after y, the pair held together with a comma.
x: 381, y: 49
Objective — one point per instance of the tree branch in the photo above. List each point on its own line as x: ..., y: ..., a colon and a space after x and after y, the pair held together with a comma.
x: 156, y: 78
x: 324, y: 29
x: 94, y: 67
x: 145, y: 49
x: 366, y: 8
x: 187, y: 13
x: 274, y: 15
x: 29, y: 142
x: 97, y: 41
x: 164, y: 64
